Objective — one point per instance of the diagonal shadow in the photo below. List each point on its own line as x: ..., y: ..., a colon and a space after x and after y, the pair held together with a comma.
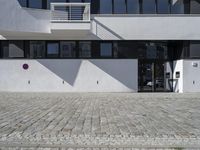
x: 108, y: 29
x: 66, y: 70
x: 122, y: 76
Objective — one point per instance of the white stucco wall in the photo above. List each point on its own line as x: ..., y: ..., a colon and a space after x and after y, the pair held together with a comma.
x: 191, y: 76
x: 69, y: 76
x: 14, y: 18
x: 147, y: 27
x: 178, y: 82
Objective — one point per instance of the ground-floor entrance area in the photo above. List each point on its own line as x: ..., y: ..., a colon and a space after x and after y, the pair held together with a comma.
x: 151, y: 76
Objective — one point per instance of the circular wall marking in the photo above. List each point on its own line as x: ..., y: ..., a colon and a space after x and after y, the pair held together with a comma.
x: 25, y: 66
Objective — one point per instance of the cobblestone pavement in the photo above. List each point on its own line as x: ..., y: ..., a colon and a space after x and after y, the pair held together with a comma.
x: 100, y: 121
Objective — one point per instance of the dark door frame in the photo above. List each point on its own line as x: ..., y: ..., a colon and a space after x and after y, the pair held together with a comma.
x: 153, y: 62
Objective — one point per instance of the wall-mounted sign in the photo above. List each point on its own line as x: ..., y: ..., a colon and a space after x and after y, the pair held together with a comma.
x: 168, y: 75
x: 177, y: 74
x: 194, y: 64
x: 25, y: 66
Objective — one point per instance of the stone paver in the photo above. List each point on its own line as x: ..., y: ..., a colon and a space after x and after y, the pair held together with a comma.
x: 100, y: 121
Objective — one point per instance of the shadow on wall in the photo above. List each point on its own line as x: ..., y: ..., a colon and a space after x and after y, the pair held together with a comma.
x: 68, y: 70
x: 102, y: 30
x: 118, y: 71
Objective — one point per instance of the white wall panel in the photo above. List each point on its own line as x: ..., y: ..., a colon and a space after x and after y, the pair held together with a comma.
x: 69, y: 75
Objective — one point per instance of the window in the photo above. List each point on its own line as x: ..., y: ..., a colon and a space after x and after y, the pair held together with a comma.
x: 54, y: 1
x: 23, y: 3
x: 127, y: 49
x: 151, y: 50
x: 194, y: 49
x: 35, y: 4
x: 37, y: 49
x: 106, y: 50
x: 84, y: 49
x: 195, y: 6
x: 105, y: 6
x: 13, y: 49
x: 177, y: 7
x: 133, y: 7
x: 68, y: 49
x: 148, y: 6
x: 163, y: 6
x: 52, y: 49
x: 119, y: 7
x: 74, y: 1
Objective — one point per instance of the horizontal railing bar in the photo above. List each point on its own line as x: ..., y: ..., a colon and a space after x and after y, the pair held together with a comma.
x: 70, y: 4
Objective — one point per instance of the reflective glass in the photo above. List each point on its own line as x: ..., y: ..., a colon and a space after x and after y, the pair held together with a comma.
x: 149, y: 6
x: 163, y: 6
x: 133, y: 7
x: 119, y: 6
x: 105, y: 6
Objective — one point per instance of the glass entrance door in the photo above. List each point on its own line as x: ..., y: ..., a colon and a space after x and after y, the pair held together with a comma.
x: 151, y: 76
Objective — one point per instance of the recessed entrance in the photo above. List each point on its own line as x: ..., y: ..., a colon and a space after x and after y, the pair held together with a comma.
x: 151, y: 76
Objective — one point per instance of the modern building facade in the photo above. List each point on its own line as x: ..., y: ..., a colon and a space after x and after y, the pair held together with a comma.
x: 100, y: 45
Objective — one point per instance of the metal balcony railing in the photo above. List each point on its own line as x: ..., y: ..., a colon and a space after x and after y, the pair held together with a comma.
x: 70, y: 12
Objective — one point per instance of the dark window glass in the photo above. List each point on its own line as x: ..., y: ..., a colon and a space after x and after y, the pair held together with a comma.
x: 105, y: 6
x: 74, y: 1
x: 148, y: 7
x: 84, y: 49
x: 23, y: 3
x: 106, y: 50
x: 52, y: 49
x: 68, y: 49
x: 162, y: 51
x: 54, y: 1
x: 195, y: 6
x: 35, y: 4
x: 152, y: 50
x: 119, y: 6
x: 177, y: 7
x: 127, y: 49
x: 133, y: 7
x: 163, y: 6
x: 194, y: 49
x: 37, y: 49
x: 13, y: 49
x: 87, y: 1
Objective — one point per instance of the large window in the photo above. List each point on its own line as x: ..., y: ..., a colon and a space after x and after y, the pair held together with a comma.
x: 177, y: 7
x: 148, y: 6
x: 194, y: 49
x: 52, y: 49
x: 106, y: 49
x: 84, y: 49
x: 105, y: 6
x: 37, y: 49
x: 13, y: 49
x: 163, y: 6
x: 195, y: 6
x: 35, y: 4
x: 119, y: 7
x: 133, y: 7
x: 67, y: 49
x: 23, y: 3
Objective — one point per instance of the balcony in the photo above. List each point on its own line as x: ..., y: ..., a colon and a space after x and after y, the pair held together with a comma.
x: 70, y: 12
x: 70, y: 19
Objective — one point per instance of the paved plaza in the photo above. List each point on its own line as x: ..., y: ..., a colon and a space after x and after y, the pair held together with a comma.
x: 100, y: 121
